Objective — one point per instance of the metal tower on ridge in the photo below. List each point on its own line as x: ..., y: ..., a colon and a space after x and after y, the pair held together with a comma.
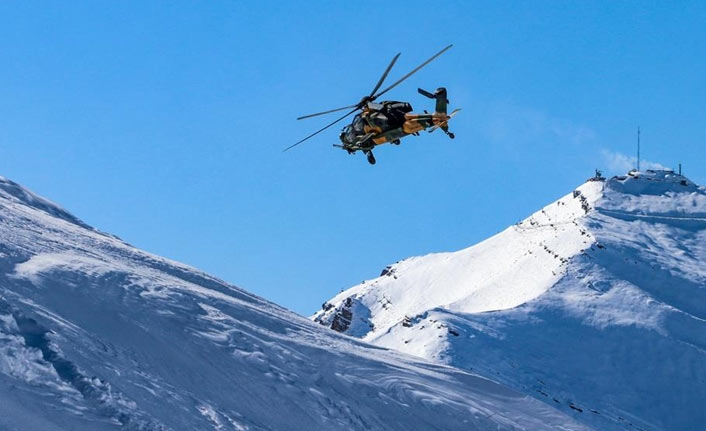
x: 638, y: 148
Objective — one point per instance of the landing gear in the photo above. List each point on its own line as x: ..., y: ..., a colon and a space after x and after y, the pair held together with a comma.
x: 395, y: 142
x: 371, y: 158
x: 449, y: 134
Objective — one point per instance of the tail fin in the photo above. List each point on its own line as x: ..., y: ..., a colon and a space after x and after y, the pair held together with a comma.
x: 440, y: 96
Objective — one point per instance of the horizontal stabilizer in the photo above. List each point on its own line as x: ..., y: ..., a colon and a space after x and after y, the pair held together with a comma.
x: 424, y: 92
x: 445, y: 123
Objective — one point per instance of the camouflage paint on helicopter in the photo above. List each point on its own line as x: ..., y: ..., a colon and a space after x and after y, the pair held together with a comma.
x: 388, y: 121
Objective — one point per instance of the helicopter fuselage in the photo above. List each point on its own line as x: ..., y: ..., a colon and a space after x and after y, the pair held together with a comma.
x: 387, y: 122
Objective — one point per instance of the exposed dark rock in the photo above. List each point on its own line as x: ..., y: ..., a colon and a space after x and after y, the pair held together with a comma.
x: 342, y: 319
x: 575, y: 407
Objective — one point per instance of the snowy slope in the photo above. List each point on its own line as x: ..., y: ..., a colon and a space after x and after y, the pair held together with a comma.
x: 97, y: 335
x: 595, y: 304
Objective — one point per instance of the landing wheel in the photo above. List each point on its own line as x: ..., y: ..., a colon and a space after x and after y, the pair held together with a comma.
x: 395, y: 142
x: 451, y: 135
x: 371, y: 158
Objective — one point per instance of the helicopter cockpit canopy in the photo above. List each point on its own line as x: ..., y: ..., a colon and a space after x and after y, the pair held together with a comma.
x: 358, y: 125
x: 351, y: 131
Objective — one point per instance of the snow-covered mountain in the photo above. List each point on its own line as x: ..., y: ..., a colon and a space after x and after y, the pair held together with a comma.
x: 596, y: 304
x: 97, y: 335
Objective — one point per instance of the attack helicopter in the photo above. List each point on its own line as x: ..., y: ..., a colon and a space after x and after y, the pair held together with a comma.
x: 388, y: 121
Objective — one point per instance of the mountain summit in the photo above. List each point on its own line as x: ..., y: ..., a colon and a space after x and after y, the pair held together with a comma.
x: 596, y: 304
x: 98, y: 335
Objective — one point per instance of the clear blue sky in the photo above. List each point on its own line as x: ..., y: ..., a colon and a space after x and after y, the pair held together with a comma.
x: 163, y: 122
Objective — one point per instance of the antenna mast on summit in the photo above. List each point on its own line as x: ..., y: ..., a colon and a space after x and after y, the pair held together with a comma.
x: 638, y: 148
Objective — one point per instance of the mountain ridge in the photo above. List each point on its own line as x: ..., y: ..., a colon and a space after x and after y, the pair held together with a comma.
x: 98, y: 335
x: 605, y: 285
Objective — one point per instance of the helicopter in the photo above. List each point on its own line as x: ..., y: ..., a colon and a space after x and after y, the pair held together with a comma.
x: 388, y: 121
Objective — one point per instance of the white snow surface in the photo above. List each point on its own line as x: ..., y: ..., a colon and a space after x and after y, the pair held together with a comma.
x: 596, y: 304
x: 98, y: 335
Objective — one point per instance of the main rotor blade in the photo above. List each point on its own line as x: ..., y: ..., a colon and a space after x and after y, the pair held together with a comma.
x: 327, y: 112
x: 384, y: 75
x: 382, y: 79
x: 411, y: 73
x: 321, y: 129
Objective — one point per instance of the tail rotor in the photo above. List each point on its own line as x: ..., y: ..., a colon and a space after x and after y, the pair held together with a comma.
x: 440, y: 96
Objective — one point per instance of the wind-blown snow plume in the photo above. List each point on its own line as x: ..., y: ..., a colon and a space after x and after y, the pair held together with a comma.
x: 619, y: 162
